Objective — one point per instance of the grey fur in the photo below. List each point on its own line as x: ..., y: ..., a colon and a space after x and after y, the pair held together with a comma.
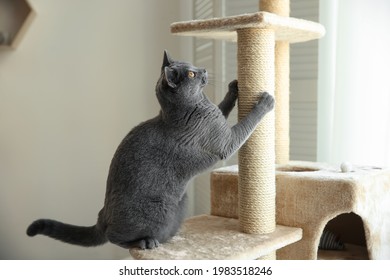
x: 146, y: 197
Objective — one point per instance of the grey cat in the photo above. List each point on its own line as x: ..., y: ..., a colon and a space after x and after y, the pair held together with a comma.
x: 146, y: 197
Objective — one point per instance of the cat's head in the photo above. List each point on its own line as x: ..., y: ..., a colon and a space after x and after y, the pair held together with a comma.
x: 180, y: 82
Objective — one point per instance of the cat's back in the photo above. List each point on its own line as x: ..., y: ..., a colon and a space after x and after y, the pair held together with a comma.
x: 140, y: 144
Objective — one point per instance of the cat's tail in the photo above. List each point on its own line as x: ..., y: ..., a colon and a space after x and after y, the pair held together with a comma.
x: 77, y: 235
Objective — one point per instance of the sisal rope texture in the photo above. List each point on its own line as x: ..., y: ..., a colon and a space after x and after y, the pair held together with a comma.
x: 282, y: 84
x: 255, y: 60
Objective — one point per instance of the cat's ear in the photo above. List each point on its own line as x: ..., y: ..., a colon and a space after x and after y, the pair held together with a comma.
x: 170, y: 76
x: 167, y: 60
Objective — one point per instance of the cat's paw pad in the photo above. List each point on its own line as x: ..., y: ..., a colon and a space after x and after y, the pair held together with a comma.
x: 148, y: 243
x: 266, y: 101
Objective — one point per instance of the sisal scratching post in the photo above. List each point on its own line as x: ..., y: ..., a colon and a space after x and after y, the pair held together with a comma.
x: 255, y: 60
x: 282, y: 84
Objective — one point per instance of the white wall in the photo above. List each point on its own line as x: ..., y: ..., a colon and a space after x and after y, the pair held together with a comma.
x: 82, y: 77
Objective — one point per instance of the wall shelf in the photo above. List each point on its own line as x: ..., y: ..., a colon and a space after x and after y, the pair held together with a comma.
x: 15, y: 19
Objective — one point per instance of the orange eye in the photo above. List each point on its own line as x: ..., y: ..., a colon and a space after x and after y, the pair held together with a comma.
x: 191, y: 74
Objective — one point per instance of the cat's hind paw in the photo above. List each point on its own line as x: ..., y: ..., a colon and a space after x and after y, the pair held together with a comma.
x: 148, y: 243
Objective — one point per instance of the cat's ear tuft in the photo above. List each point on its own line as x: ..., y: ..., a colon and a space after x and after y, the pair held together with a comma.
x: 167, y: 60
x: 169, y: 75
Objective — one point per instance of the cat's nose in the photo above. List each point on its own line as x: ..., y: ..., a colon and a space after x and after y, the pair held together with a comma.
x: 204, y: 73
x: 204, y: 76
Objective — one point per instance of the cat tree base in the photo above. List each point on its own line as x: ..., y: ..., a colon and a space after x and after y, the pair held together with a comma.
x: 218, y: 238
x: 309, y: 195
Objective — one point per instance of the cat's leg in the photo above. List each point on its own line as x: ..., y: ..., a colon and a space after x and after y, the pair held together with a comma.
x: 165, y: 232
x: 162, y: 233
x: 179, y: 216
x: 157, y: 224
x: 228, y: 103
x: 243, y: 129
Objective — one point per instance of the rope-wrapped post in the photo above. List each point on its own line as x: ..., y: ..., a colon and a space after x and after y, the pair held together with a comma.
x: 256, y: 183
x: 282, y: 84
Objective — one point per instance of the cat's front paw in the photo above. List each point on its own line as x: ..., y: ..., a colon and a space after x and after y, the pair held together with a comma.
x: 233, y: 89
x: 148, y: 243
x: 266, y: 102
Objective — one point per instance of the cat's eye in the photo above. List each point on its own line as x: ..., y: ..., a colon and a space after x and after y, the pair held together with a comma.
x: 191, y: 74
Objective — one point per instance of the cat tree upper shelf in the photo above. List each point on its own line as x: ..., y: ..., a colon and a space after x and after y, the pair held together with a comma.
x: 286, y: 28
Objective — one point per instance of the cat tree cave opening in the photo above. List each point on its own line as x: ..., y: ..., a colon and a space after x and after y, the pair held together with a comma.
x: 347, y: 229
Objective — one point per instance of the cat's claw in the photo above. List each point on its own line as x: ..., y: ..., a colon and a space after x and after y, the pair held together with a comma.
x: 148, y: 243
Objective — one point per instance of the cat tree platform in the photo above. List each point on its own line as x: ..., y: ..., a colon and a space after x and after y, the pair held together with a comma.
x: 288, y: 29
x: 309, y: 195
x: 211, y: 237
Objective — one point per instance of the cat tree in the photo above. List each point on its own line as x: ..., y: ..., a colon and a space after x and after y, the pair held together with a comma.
x: 243, y: 219
x: 260, y: 60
